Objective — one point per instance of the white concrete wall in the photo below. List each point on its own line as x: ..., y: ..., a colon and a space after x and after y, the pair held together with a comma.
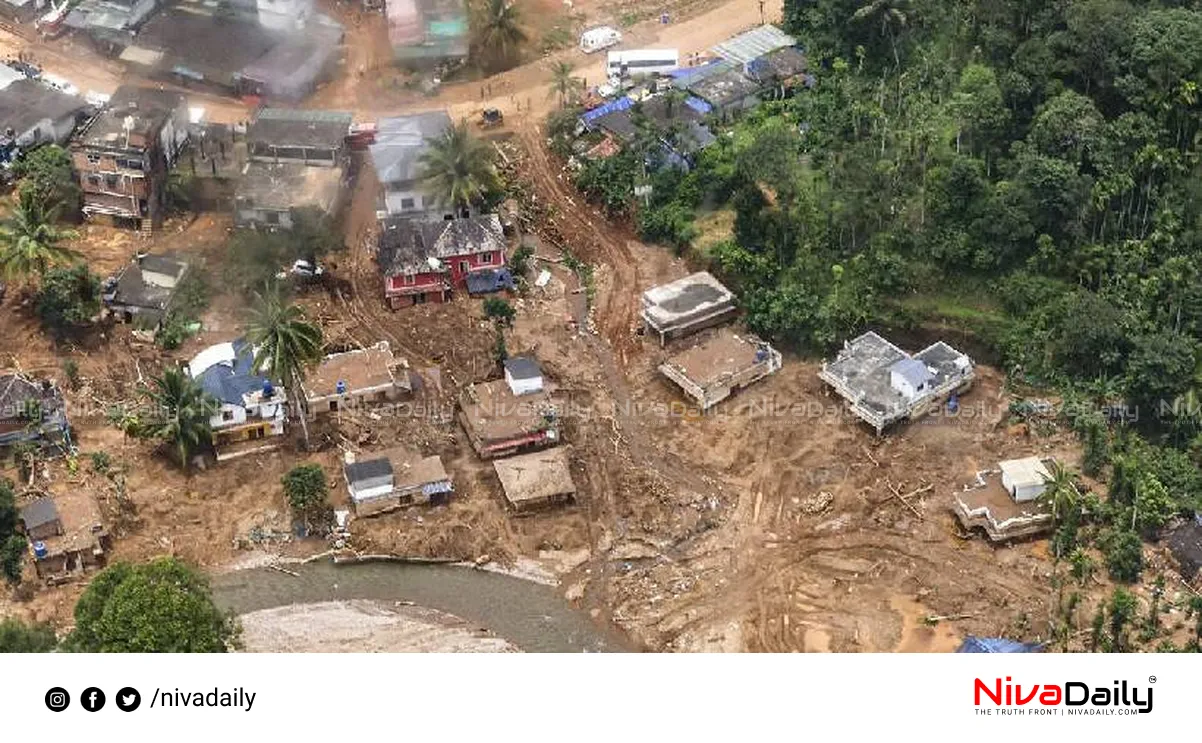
x: 523, y: 386
x: 902, y: 385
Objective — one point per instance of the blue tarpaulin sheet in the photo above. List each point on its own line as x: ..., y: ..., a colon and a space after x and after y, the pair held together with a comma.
x: 621, y: 104
x: 489, y: 281
x: 688, y: 72
x: 995, y: 645
x: 698, y: 105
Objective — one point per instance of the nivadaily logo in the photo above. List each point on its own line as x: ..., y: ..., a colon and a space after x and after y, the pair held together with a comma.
x: 1071, y: 697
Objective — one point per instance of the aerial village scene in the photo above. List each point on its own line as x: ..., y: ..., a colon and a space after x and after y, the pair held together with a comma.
x: 583, y: 325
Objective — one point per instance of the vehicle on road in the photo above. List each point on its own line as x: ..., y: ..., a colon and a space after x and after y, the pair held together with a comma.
x: 642, y: 62
x: 491, y: 117
x: 601, y: 37
x: 302, y: 269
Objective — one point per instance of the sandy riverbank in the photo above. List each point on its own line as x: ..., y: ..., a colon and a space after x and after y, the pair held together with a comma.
x: 362, y: 626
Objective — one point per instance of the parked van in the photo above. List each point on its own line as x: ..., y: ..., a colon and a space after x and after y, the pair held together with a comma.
x: 601, y: 37
x: 642, y: 62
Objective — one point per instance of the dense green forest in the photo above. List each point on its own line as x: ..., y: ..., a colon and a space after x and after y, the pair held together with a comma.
x: 1027, y: 171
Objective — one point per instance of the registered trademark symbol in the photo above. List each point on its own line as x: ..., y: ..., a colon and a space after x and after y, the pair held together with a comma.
x: 1151, y: 679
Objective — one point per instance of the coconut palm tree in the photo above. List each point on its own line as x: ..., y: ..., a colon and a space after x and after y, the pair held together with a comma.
x: 1060, y: 492
x: 457, y: 168
x: 30, y: 243
x: 497, y: 33
x: 563, y: 83
x: 182, y: 410
x: 891, y: 14
x: 284, y: 340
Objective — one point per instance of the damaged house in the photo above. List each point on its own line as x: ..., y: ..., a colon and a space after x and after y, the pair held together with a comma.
x: 686, y: 306
x: 884, y: 385
x: 536, y: 480
x: 724, y: 363
x: 31, y: 411
x: 123, y: 155
x: 32, y: 114
x: 396, y: 479
x: 253, y: 408
x: 66, y: 534
x: 143, y: 290
x: 400, y: 142
x: 298, y: 160
x: 509, y: 415
x: 1006, y: 503
x: 424, y: 261
x: 356, y: 379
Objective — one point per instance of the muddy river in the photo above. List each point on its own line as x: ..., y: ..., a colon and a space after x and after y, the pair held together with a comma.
x: 532, y: 616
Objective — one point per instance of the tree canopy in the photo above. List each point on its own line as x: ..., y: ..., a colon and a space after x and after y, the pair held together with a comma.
x: 162, y: 606
x: 30, y: 242
x: 179, y: 416
x: 19, y: 637
x: 457, y: 168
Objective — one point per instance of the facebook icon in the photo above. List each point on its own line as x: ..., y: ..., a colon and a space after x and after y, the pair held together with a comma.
x: 92, y: 699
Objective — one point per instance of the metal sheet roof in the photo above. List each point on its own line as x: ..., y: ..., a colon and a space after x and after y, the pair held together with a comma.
x: 754, y: 43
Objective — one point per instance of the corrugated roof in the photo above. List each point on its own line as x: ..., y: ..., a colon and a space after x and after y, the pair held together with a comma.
x: 754, y: 43
x: 400, y: 142
x: 39, y: 513
x: 371, y: 469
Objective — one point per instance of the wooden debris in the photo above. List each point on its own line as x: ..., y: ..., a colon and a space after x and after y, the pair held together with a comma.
x: 902, y: 499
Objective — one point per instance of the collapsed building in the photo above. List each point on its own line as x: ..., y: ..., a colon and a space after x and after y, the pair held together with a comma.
x: 536, y: 480
x: 724, y: 363
x: 31, y: 411
x: 506, y: 416
x: 1005, y: 502
x: 66, y: 534
x: 687, y: 305
x: 884, y: 385
x: 276, y: 48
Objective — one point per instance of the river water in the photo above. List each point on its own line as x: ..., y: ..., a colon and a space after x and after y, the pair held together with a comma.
x: 532, y: 616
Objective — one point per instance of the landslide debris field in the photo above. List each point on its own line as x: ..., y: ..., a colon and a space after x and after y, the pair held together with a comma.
x: 769, y: 523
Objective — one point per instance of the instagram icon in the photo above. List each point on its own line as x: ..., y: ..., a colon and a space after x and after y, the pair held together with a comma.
x: 57, y: 699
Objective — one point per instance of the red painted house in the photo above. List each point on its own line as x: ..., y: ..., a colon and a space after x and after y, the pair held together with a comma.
x: 424, y: 261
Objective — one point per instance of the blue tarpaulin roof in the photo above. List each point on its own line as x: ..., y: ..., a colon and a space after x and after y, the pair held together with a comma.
x: 713, y: 65
x: 621, y: 104
x: 995, y: 645
x: 229, y: 382
x: 489, y: 280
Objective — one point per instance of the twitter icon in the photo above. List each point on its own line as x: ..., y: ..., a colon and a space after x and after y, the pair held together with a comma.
x: 128, y: 699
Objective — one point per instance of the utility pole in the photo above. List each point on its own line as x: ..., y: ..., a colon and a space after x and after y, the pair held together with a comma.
x: 762, y: 21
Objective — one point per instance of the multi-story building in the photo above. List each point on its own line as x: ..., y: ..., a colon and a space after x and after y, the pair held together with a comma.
x: 400, y: 142
x: 252, y: 407
x: 123, y: 155
x: 423, y: 261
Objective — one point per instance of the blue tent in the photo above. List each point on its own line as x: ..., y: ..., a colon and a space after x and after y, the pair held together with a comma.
x: 996, y: 645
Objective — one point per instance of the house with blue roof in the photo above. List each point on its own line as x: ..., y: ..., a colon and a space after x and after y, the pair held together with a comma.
x: 253, y: 407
